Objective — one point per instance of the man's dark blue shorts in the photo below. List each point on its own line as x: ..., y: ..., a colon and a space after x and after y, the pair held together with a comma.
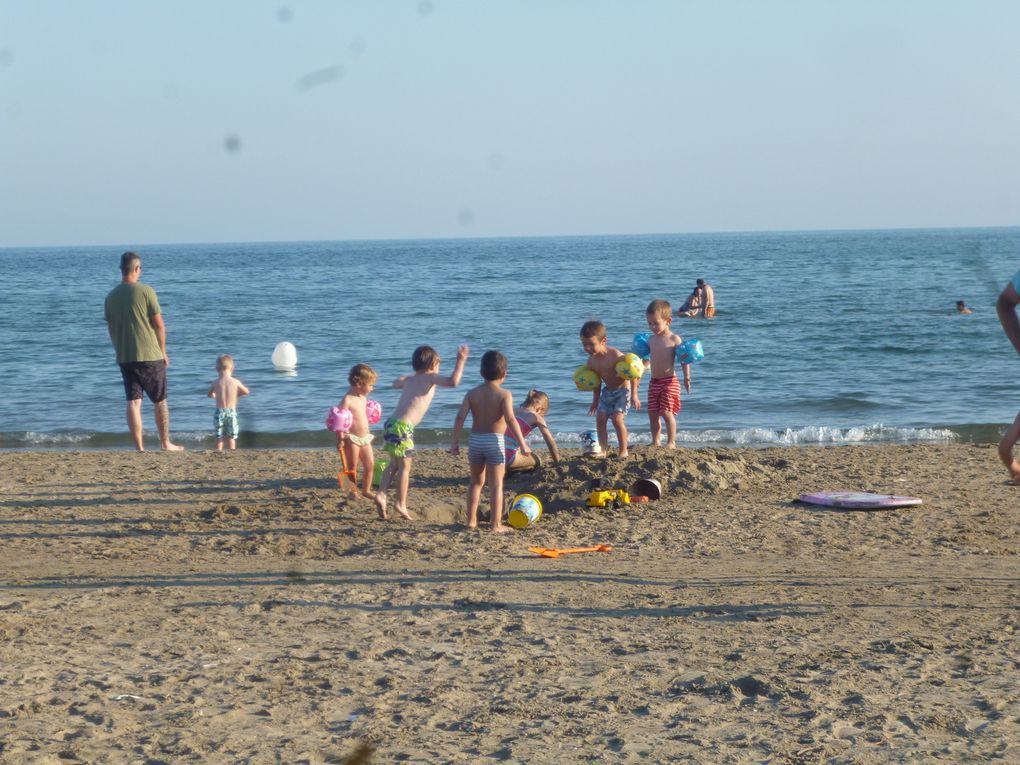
x: 144, y: 376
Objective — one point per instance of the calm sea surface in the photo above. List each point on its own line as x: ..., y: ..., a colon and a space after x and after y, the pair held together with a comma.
x: 820, y: 337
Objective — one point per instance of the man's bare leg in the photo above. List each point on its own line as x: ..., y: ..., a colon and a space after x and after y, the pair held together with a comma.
x: 134, y: 421
x: 163, y: 427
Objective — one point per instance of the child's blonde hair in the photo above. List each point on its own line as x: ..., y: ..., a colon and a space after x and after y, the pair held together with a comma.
x: 660, y: 309
x: 224, y: 362
x: 362, y: 374
x: 536, y: 398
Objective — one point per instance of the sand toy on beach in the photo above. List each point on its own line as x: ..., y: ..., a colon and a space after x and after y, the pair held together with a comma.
x: 555, y: 552
x: 611, y: 498
x: 859, y: 500
x: 524, y: 511
x: 648, y: 488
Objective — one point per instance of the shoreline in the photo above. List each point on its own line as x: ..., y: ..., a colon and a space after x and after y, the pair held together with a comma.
x: 432, y: 438
x: 200, y: 606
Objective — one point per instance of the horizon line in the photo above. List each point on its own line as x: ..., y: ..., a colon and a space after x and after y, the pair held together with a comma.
x: 733, y: 232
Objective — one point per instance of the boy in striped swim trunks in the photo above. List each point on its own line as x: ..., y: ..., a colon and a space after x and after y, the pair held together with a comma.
x: 492, y: 411
x: 663, y: 399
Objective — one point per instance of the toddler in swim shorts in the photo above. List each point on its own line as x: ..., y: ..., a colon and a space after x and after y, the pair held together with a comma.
x: 416, y: 395
x: 226, y: 389
x: 492, y: 412
x: 663, y: 386
x: 613, y: 397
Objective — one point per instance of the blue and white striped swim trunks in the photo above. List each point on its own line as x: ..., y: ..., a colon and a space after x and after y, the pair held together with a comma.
x: 486, y: 449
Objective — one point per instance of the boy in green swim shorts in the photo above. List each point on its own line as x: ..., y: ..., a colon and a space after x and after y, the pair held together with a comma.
x: 398, y: 434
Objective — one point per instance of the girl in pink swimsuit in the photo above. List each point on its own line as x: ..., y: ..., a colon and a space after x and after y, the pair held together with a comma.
x: 530, y: 415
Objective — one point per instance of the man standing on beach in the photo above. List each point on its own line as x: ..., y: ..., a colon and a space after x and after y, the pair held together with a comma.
x: 1006, y: 308
x: 138, y: 334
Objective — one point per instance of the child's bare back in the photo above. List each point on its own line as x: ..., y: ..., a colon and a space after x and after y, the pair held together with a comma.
x: 227, y: 391
x: 489, y: 405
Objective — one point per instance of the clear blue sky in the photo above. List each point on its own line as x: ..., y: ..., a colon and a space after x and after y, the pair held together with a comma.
x: 243, y: 120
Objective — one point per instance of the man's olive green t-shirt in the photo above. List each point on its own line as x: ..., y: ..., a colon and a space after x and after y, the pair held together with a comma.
x: 128, y: 310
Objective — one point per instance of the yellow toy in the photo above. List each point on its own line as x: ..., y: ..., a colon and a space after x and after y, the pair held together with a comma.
x: 611, y: 498
x: 630, y: 367
x: 586, y: 378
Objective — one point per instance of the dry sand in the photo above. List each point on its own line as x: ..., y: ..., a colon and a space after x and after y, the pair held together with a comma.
x: 203, y: 607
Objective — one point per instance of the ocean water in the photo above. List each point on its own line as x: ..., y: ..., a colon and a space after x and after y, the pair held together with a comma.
x: 820, y: 337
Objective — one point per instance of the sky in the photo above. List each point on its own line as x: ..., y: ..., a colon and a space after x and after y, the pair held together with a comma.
x: 137, y: 121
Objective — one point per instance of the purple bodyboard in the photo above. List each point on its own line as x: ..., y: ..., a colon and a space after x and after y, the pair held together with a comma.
x: 859, y: 500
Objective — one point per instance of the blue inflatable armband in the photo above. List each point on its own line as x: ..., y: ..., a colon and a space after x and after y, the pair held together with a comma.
x: 690, y: 351
x: 640, y: 345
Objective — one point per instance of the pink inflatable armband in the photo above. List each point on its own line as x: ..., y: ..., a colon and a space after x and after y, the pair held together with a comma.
x: 339, y: 420
x: 374, y: 411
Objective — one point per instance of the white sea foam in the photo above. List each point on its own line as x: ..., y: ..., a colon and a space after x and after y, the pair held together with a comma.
x: 810, y: 435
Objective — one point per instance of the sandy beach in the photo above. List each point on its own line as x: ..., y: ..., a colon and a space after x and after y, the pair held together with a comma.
x: 203, y: 607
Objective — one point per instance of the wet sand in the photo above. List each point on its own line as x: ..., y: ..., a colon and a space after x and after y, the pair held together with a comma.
x: 203, y: 607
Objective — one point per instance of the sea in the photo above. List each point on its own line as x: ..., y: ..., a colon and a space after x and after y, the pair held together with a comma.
x: 820, y: 337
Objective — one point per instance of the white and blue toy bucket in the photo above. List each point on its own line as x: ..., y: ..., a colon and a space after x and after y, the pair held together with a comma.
x: 524, y: 511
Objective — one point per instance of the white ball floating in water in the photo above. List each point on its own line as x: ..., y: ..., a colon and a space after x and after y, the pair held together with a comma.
x: 285, y: 356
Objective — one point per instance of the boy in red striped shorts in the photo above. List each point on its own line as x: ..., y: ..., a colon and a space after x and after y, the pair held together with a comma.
x: 663, y: 399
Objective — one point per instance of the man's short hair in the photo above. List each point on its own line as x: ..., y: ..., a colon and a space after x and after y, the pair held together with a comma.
x: 493, y: 365
x: 594, y: 328
x: 128, y: 261
x: 424, y: 358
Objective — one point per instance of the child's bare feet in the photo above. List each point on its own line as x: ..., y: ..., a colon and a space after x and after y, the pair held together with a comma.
x: 402, y: 511
x: 671, y: 445
x: 368, y: 494
x: 501, y: 529
x: 624, y: 454
x: 380, y: 504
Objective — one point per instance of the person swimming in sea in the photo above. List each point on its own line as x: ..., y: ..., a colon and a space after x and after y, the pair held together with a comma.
x: 701, y: 301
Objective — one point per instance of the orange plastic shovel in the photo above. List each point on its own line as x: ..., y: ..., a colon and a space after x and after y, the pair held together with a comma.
x: 346, y: 475
x: 553, y: 552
